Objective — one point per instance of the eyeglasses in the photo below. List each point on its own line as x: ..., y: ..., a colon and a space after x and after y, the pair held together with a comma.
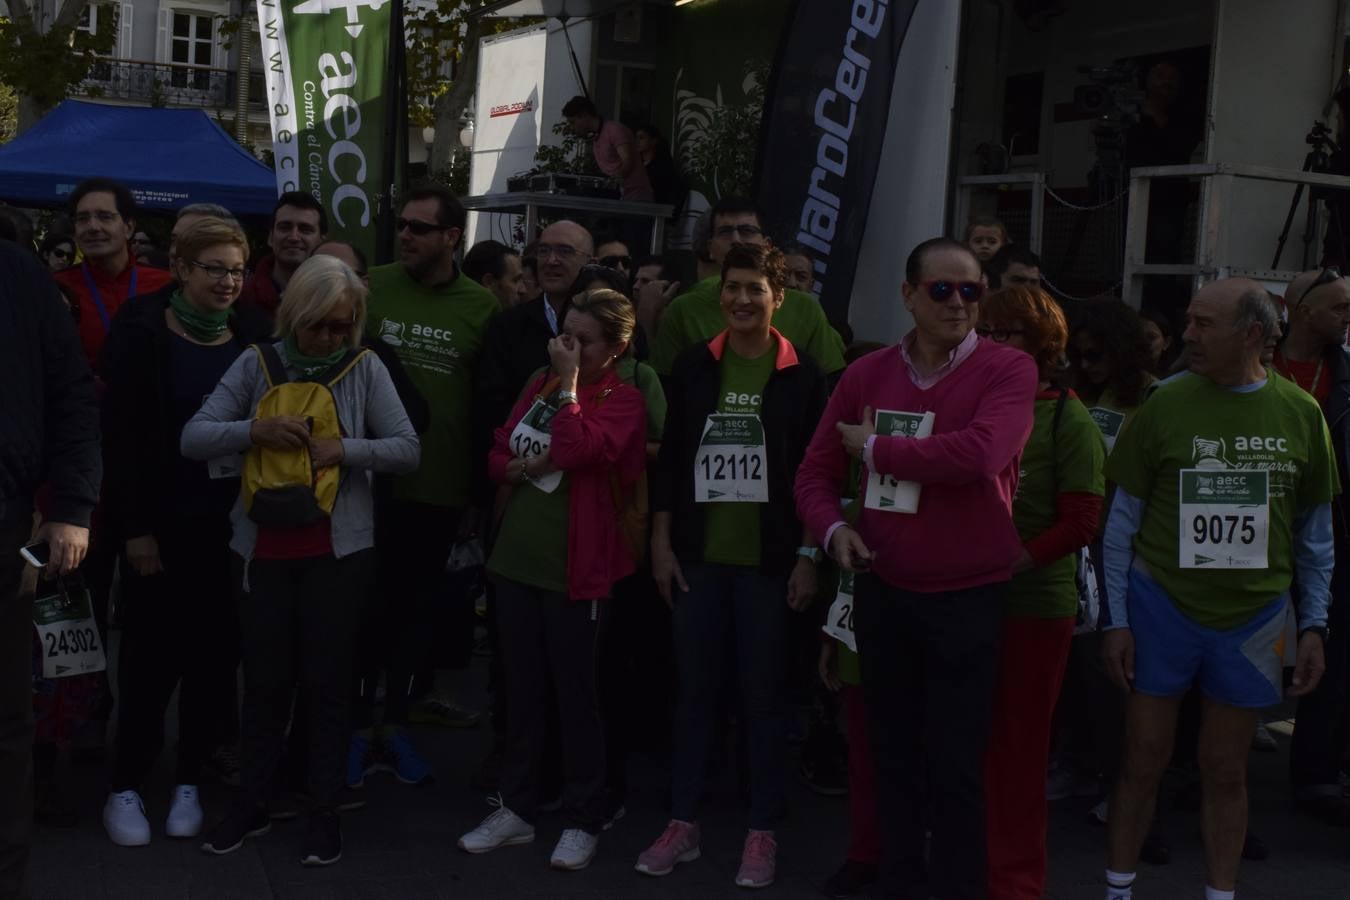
x: 418, y: 227
x: 617, y: 262
x: 563, y: 252
x: 338, y: 328
x: 102, y: 216
x: 1001, y: 335
x: 746, y: 232
x: 941, y: 291
x: 219, y: 273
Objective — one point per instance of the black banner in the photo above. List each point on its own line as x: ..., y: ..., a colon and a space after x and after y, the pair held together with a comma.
x: 824, y: 124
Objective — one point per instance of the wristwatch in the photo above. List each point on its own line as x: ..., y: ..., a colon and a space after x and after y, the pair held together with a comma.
x: 811, y: 553
x: 1319, y: 630
x: 568, y: 397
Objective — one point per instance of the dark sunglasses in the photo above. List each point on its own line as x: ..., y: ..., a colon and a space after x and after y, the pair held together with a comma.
x: 941, y: 291
x: 418, y: 227
x: 616, y: 262
x: 1001, y: 335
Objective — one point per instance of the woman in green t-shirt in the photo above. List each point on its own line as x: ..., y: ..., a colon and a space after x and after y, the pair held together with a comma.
x: 1059, y: 495
x: 728, y: 552
x: 1110, y: 356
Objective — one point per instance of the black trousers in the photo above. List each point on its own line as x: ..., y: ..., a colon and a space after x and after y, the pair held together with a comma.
x: 545, y: 634
x: 396, y: 635
x: 16, y: 712
x: 298, y: 623
x: 928, y: 670
x: 1319, y: 739
x: 178, y: 626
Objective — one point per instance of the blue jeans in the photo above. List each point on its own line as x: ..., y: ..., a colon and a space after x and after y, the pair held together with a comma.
x: 730, y: 609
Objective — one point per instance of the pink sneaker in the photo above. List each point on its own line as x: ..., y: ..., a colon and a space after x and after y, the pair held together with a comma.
x: 758, y: 860
x: 677, y: 844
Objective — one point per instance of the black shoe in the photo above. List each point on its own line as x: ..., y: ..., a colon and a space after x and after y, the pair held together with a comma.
x: 851, y: 880
x: 1157, y: 851
x: 323, y: 840
x: 1331, y: 808
x: 285, y: 806
x: 223, y: 766
x: 824, y: 778
x: 1254, y: 849
x: 239, y: 824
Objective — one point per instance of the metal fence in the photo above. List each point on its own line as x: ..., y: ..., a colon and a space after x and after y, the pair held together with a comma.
x: 169, y: 84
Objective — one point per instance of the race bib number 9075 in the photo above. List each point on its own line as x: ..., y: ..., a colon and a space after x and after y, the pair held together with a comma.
x: 1224, y: 519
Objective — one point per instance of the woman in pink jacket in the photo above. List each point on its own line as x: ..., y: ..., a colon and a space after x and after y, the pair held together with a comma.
x: 574, y: 444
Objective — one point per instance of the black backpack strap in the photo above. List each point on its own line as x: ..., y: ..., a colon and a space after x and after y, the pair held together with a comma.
x: 274, y: 369
x: 342, y: 367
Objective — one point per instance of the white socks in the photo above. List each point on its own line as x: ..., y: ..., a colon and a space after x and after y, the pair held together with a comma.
x: 1216, y: 894
x: 1119, y: 885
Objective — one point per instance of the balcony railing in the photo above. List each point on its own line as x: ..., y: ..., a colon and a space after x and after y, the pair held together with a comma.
x: 169, y: 84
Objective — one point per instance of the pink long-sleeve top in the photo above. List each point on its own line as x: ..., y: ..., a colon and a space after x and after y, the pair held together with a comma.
x: 962, y: 535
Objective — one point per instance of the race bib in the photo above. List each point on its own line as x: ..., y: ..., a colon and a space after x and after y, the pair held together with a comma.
x: 1110, y: 422
x: 67, y: 633
x: 731, y: 465
x: 1225, y: 518
x: 885, y: 492
x: 839, y: 622
x: 532, y: 437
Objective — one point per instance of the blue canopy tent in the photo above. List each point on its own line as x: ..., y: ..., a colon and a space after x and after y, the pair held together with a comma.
x: 167, y: 157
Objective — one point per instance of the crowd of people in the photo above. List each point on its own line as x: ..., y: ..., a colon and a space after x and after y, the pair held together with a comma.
x: 1028, y: 551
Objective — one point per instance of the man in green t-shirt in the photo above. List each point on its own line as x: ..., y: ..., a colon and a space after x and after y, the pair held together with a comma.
x: 435, y: 317
x: 696, y: 316
x: 1225, y: 480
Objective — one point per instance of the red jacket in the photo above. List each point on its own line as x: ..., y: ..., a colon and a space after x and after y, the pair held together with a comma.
x: 112, y: 291
x: 260, y: 290
x: 605, y: 433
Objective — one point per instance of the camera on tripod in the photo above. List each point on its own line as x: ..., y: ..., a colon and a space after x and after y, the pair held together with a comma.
x: 1323, y: 144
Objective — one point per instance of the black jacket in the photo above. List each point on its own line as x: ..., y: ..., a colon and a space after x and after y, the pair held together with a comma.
x: 514, y: 348
x: 48, y: 414
x: 794, y: 400
x: 1338, y: 420
x: 140, y: 445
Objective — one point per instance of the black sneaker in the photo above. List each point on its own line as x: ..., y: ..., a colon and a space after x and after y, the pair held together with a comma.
x: 851, y: 880
x: 223, y: 766
x: 239, y: 824
x: 323, y: 840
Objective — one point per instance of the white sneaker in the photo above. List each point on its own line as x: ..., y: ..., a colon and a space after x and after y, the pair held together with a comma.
x: 501, y: 829
x: 1101, y: 813
x: 575, y: 850
x: 185, y: 813
x: 124, y: 819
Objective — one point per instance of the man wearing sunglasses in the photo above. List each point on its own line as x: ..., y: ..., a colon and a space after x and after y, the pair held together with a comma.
x: 613, y: 254
x: 1313, y: 355
x: 435, y: 317
x: 696, y: 316
x: 104, y: 213
x: 1225, y: 479
x: 933, y: 550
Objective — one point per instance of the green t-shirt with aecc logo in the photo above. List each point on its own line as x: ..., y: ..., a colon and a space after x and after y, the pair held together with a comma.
x: 437, y: 333
x: 696, y: 316
x: 731, y: 533
x: 1062, y: 460
x: 1190, y: 423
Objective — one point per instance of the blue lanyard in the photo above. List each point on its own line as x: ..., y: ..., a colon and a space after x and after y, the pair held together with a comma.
x: 98, y: 298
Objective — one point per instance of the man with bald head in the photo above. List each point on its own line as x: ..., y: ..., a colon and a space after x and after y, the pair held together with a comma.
x: 1313, y: 355
x: 517, y: 341
x: 1225, y: 481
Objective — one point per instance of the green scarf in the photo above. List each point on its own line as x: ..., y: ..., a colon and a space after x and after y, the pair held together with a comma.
x: 310, y: 366
x: 201, y: 326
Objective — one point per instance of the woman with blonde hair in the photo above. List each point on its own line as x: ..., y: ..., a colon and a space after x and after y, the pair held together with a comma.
x: 164, y: 353
x: 1059, y: 497
x: 306, y: 565
x: 572, y: 448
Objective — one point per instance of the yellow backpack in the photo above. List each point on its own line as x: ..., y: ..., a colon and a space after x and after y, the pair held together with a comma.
x: 281, y: 488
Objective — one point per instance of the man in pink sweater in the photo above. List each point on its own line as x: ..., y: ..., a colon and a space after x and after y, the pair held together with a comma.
x: 930, y: 580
